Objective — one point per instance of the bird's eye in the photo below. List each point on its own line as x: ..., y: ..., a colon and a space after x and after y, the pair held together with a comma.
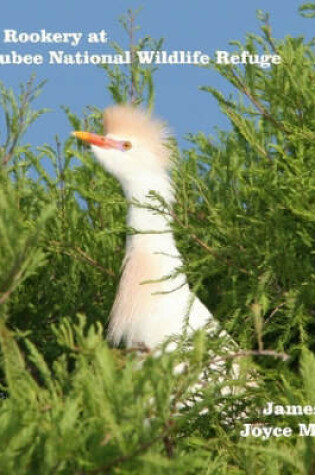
x: 127, y: 145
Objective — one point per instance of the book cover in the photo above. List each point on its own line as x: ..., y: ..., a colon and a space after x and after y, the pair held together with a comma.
x: 157, y: 227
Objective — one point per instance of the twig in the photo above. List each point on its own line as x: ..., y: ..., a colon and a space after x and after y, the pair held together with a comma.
x: 10, y: 153
x: 257, y: 104
x: 169, y: 446
x: 205, y: 245
x: 21, y: 118
x: 85, y: 257
x: 14, y: 276
x: 268, y: 35
x: 5, y: 296
x: 137, y: 349
x: 60, y: 167
x: 125, y: 458
x: 244, y: 353
x: 131, y: 31
x: 275, y: 310
x: 94, y: 263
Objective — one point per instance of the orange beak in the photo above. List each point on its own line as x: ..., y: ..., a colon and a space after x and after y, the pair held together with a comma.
x: 98, y: 140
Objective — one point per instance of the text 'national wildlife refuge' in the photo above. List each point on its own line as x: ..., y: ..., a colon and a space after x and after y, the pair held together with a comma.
x: 75, y: 48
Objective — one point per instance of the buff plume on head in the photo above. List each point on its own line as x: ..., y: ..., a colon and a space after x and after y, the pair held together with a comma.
x: 134, y: 150
x: 137, y: 124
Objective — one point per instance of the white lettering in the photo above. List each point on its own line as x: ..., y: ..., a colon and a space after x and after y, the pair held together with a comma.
x: 265, y: 432
x: 307, y: 430
x: 15, y: 58
x: 100, y: 37
x: 267, y: 411
x: 146, y: 57
x: 222, y: 57
x: 264, y: 60
x: 42, y: 36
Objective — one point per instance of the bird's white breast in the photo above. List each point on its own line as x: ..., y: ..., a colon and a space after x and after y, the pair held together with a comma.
x: 151, y: 305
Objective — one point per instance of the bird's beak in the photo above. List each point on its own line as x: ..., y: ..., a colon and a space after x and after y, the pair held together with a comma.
x: 95, y: 139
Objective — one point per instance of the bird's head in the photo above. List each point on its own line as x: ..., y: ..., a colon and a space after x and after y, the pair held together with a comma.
x: 133, y: 146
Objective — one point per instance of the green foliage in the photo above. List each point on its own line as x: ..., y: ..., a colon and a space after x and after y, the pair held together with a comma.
x: 134, y: 82
x: 244, y: 222
x: 307, y: 10
x: 249, y: 197
x: 104, y: 412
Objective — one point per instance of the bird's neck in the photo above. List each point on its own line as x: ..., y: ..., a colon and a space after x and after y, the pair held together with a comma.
x: 147, y: 215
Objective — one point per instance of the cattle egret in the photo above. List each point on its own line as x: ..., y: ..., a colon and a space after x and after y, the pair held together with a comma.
x: 154, y: 300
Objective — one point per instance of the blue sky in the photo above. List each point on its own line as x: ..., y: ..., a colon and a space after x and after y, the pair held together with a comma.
x: 199, y: 25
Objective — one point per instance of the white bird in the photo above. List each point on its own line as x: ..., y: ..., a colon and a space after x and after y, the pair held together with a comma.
x: 149, y: 307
